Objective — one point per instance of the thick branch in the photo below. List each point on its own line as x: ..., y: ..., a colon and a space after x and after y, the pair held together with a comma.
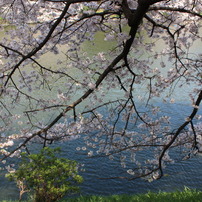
x: 189, y: 119
x: 42, y: 44
x: 141, y: 10
x: 181, y: 10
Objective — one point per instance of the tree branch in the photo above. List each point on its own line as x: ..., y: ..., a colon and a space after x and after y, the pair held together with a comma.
x: 42, y: 44
x: 181, y: 10
x: 179, y: 130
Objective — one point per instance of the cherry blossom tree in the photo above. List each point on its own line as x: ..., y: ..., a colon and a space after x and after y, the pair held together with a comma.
x: 54, y: 89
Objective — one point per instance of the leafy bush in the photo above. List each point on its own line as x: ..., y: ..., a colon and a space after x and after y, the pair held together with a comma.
x: 46, y: 175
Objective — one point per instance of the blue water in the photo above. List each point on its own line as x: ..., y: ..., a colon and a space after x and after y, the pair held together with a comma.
x: 186, y: 173
x: 178, y: 175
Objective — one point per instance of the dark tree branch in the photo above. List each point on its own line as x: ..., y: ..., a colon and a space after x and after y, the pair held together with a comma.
x: 179, y: 130
x: 140, y: 12
x: 41, y: 45
x: 181, y: 10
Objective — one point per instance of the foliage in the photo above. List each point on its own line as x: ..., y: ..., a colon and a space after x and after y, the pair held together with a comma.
x: 178, y: 196
x: 186, y: 196
x: 48, y: 176
x: 122, y: 98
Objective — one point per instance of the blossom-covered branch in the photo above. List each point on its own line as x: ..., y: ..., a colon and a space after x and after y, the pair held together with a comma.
x: 104, y: 71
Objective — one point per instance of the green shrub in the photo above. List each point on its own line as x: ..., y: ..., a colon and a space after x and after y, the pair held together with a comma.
x: 47, y: 176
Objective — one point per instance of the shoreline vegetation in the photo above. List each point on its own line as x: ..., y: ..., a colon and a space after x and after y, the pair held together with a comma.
x: 188, y: 195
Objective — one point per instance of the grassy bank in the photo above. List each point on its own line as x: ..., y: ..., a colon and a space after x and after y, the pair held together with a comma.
x: 185, y: 196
